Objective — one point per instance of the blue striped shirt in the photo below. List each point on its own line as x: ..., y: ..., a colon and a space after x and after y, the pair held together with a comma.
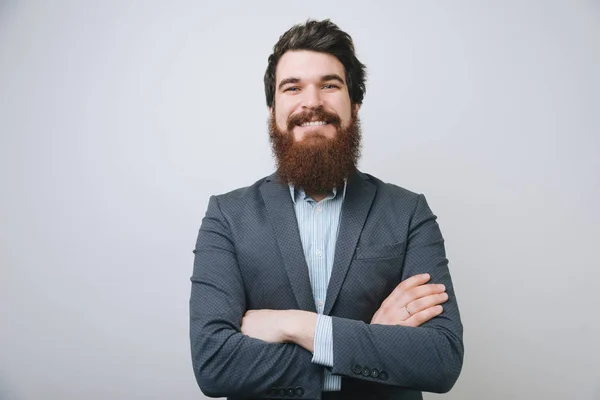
x: 318, y: 224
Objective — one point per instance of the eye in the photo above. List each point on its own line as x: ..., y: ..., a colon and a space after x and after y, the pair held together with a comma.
x: 292, y: 89
x: 331, y: 86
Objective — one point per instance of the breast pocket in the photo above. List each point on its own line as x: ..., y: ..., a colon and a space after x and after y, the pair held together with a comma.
x: 380, y: 252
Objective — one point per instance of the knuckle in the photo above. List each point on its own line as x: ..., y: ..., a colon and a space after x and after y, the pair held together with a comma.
x: 418, y: 305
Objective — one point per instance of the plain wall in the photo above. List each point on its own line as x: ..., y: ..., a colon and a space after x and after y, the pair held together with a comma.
x: 118, y: 119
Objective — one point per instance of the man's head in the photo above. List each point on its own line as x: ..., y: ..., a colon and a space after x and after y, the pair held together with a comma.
x: 314, y: 86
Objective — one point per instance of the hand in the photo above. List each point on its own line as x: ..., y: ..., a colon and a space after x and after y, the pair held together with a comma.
x: 280, y: 326
x: 412, y: 303
x: 266, y: 325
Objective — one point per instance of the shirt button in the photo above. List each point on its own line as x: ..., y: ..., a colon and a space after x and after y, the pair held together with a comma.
x: 318, y: 209
x: 318, y: 253
x: 319, y: 303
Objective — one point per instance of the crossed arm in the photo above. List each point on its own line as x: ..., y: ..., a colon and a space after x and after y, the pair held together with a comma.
x: 412, y: 303
x: 247, y: 353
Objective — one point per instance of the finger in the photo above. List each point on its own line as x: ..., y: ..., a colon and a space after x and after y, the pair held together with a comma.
x: 426, y: 302
x: 421, y: 317
x: 408, y: 284
x: 421, y: 291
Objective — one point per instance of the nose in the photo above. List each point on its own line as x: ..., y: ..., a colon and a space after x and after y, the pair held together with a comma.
x: 312, y: 98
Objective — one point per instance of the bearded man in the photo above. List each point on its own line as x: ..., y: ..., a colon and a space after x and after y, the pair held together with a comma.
x: 321, y: 281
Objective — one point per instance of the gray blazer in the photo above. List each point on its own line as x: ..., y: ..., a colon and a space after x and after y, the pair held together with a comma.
x: 249, y: 256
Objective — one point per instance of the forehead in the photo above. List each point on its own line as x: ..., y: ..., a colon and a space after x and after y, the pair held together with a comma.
x: 308, y: 65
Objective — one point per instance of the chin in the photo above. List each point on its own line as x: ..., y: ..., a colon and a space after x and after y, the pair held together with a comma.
x: 313, y: 137
x: 315, y: 133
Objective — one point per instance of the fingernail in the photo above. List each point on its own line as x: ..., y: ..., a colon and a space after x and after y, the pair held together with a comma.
x: 442, y: 287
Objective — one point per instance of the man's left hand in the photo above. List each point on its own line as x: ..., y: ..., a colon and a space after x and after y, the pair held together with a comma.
x: 280, y: 326
x: 266, y: 325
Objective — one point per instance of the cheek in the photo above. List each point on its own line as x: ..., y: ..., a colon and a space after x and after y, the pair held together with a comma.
x: 343, y: 109
x: 281, y: 116
x: 281, y: 120
x: 345, y: 115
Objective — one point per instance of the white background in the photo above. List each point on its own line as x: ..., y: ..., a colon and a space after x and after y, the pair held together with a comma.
x: 118, y: 119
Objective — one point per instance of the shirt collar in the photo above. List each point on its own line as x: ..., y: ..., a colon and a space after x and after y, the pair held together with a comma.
x: 300, y: 194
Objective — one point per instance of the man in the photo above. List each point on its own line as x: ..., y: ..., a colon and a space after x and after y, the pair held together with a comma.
x: 321, y: 281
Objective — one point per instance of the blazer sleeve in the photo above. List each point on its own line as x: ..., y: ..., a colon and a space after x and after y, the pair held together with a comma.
x: 225, y: 361
x: 427, y: 358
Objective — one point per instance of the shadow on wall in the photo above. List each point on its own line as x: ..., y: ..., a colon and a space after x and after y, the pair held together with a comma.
x: 7, y: 8
x: 7, y: 392
x: 596, y: 9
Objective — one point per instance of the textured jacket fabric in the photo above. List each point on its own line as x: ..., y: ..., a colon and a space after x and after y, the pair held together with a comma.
x: 249, y: 256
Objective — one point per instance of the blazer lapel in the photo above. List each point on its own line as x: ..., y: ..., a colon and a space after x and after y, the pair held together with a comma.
x: 357, y: 203
x: 282, y: 216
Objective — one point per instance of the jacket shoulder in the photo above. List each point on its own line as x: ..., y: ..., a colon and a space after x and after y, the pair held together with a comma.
x: 390, y: 189
x: 242, y: 197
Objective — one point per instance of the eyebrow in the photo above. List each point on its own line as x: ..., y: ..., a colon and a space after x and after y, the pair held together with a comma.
x: 324, y: 78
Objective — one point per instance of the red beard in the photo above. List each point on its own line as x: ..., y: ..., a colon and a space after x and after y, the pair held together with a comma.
x: 316, y: 163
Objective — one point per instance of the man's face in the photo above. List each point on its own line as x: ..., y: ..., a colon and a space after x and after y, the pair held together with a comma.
x: 311, y: 86
x: 313, y: 127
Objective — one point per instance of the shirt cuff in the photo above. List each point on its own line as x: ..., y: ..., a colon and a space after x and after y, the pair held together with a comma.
x: 323, y: 342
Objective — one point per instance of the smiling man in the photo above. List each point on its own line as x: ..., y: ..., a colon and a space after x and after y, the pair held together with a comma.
x: 321, y: 281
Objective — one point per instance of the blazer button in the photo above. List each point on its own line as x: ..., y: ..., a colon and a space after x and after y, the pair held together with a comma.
x: 299, y: 391
x: 366, y: 372
x: 374, y: 373
x: 357, y: 369
x: 383, y: 376
x: 282, y: 392
x: 273, y: 391
x: 291, y: 392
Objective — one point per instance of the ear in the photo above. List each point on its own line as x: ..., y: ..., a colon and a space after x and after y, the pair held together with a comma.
x: 356, y: 108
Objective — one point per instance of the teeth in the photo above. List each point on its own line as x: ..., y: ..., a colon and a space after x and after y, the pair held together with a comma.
x: 314, y: 123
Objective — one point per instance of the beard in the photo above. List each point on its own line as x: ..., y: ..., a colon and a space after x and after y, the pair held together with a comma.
x: 316, y: 162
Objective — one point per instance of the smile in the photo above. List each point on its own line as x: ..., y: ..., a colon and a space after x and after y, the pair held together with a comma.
x: 315, y: 123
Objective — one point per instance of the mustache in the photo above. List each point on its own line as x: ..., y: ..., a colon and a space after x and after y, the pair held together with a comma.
x: 318, y: 114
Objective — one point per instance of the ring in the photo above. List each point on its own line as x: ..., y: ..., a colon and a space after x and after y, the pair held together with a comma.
x: 407, y: 310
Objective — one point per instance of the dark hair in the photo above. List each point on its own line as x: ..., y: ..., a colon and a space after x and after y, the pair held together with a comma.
x: 324, y: 37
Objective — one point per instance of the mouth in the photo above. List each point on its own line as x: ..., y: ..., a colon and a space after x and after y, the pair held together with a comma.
x: 313, y: 123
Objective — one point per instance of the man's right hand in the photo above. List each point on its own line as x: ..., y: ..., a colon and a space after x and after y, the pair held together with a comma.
x: 412, y: 303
